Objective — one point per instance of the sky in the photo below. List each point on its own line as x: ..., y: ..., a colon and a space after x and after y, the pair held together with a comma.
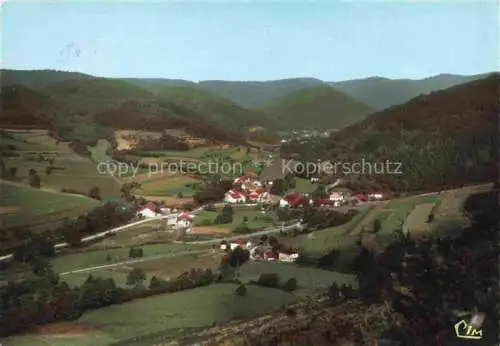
x: 252, y: 40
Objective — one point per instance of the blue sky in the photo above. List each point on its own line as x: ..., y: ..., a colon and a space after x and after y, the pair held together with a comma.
x: 253, y: 40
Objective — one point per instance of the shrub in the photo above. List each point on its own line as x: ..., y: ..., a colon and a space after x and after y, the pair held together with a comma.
x: 135, y: 277
x: 242, y: 229
x: 241, y: 290
x: 269, y: 280
x: 206, y: 222
x: 135, y: 252
x: 290, y: 285
x: 223, y: 218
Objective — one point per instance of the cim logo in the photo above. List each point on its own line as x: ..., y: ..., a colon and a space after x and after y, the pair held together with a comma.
x: 465, y: 330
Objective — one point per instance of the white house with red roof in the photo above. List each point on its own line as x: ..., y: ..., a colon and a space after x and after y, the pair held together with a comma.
x: 184, y: 220
x: 148, y: 211
x: 375, y: 196
x: 292, y: 201
x: 233, y: 196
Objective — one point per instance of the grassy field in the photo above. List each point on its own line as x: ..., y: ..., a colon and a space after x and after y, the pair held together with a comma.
x: 36, y: 150
x: 169, y: 186
x: 304, y: 186
x: 416, y: 222
x: 309, y: 280
x: 38, y: 206
x: 86, y: 259
x: 99, y: 151
x: 162, y: 316
x: 255, y: 218
x: 327, y: 239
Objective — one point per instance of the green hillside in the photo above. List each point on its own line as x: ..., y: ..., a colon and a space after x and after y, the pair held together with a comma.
x: 381, y: 93
x: 251, y: 94
x: 318, y: 108
x: 443, y: 140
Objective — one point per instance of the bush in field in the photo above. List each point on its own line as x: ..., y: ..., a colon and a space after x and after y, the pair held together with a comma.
x: 242, y: 229
x: 95, y: 193
x: 241, y: 290
x: 223, y: 218
x: 135, y: 252
x: 269, y: 280
x: 290, y: 285
x: 135, y: 277
x: 206, y: 222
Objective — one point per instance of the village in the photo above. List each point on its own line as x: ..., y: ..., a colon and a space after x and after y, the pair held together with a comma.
x: 249, y: 191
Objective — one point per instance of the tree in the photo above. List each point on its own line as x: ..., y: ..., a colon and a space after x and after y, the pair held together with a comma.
x: 95, y: 193
x: 269, y: 280
x: 238, y: 256
x: 135, y: 277
x: 155, y: 283
x: 135, y: 252
x: 73, y: 236
x: 35, y: 180
x: 228, y: 209
x: 241, y: 290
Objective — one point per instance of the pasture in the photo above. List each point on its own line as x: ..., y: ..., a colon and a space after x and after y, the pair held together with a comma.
x: 304, y: 186
x: 310, y: 280
x: 162, y: 316
x: 322, y: 241
x: 58, y: 166
x: 416, y: 222
x: 170, y: 186
x: 92, y: 258
x: 34, y: 206
x: 255, y: 219
x: 173, y: 267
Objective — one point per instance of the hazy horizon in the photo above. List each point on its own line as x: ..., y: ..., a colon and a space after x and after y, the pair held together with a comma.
x: 258, y: 41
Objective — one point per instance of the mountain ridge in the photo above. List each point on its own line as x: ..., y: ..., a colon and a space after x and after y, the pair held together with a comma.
x: 377, y: 92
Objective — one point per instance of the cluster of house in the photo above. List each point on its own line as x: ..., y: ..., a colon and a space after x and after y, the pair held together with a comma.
x: 183, y: 220
x: 246, y: 190
x: 259, y: 252
x: 335, y: 199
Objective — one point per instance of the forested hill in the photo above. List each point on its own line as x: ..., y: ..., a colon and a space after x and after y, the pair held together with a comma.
x: 446, y: 139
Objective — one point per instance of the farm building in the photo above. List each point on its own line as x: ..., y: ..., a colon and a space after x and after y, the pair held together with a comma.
x: 293, y: 201
x: 282, y: 257
x: 149, y: 210
x: 375, y: 196
x: 233, y: 196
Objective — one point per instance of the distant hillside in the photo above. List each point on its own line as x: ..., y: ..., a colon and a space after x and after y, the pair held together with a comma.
x: 214, y: 108
x: 318, y: 107
x: 258, y: 94
x: 446, y: 139
x: 381, y: 93
x: 37, y: 78
x: 88, y: 109
x: 22, y: 106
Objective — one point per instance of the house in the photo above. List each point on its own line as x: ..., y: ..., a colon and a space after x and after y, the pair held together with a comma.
x: 292, y: 201
x: 148, y: 211
x: 361, y: 198
x: 240, y: 180
x: 336, y: 197
x: 233, y: 196
x: 184, y: 220
x: 253, y: 196
x: 375, y: 196
x: 283, y: 257
x: 237, y: 243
